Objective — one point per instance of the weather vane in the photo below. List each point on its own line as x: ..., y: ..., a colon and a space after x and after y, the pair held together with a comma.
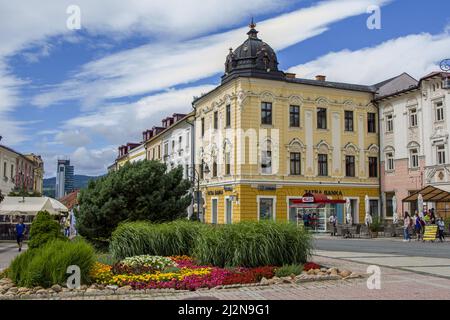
x: 445, y: 65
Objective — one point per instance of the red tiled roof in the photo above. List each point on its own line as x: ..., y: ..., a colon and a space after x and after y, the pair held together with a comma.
x: 70, y: 200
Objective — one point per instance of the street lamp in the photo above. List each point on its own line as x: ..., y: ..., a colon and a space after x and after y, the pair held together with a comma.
x: 196, y: 179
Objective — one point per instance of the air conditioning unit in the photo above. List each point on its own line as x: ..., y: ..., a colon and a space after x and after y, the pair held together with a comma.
x: 446, y: 84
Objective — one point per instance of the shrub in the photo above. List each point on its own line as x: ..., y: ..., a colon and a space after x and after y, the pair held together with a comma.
x: 144, y: 190
x: 253, y: 244
x: 106, y: 258
x: 288, y: 269
x: 44, y: 229
x: 165, y: 239
x: 47, y: 265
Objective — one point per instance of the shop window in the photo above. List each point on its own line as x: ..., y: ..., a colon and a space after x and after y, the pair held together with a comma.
x: 350, y: 166
x: 295, y: 163
x: 323, y: 165
x: 294, y: 116
x: 349, y: 121
x: 321, y: 118
x: 371, y: 122
x: 266, y: 209
x: 266, y: 113
x: 389, y: 207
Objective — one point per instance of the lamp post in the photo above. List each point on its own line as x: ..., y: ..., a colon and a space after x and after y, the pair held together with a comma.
x: 196, y: 179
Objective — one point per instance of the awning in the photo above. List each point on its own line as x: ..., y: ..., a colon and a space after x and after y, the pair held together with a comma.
x: 431, y: 194
x: 314, y: 200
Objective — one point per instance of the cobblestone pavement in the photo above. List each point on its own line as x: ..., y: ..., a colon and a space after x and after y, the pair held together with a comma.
x: 395, y: 285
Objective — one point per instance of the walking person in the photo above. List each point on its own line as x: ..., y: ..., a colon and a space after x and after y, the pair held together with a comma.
x: 441, y: 228
x: 67, y: 227
x: 417, y: 226
x: 406, y: 225
x: 432, y: 217
x: 333, y: 222
x: 20, y: 233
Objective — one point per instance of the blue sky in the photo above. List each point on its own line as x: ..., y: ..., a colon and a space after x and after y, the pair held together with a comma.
x: 81, y: 93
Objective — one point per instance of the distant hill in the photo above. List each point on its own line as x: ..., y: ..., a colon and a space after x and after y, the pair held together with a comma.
x: 80, y: 182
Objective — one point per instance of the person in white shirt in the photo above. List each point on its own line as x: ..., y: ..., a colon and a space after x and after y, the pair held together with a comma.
x: 333, y: 222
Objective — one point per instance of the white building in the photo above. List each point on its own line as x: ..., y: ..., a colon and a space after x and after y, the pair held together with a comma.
x: 414, y: 130
x: 137, y: 154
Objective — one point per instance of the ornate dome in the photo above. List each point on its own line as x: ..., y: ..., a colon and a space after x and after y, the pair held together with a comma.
x: 253, y: 58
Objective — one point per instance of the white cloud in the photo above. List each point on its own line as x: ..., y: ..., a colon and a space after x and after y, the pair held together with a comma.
x: 163, y: 64
x: 73, y: 138
x: 417, y: 55
x: 92, y: 161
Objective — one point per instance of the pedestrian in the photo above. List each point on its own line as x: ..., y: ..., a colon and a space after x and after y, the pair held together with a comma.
x: 426, y: 218
x: 406, y: 225
x: 432, y: 217
x: 306, y: 219
x: 441, y: 228
x: 418, y: 226
x: 333, y: 222
x: 20, y: 232
x: 67, y: 227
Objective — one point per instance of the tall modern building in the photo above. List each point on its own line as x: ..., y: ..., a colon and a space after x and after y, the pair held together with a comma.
x: 64, y: 178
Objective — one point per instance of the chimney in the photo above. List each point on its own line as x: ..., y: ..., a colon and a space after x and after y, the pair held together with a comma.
x: 321, y: 78
x: 290, y: 75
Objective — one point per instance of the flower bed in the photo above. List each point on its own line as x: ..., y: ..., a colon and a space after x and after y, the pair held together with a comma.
x: 182, y: 274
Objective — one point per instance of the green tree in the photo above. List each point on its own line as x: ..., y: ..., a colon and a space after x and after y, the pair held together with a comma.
x: 140, y: 191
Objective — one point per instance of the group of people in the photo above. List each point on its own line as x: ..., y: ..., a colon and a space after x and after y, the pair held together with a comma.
x: 419, y: 222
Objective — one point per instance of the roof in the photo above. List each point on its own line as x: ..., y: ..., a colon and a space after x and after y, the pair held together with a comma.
x: 31, y: 205
x: 431, y: 194
x: 396, y: 85
x: 70, y: 200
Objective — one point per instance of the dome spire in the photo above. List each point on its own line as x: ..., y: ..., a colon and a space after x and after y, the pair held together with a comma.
x: 252, y: 33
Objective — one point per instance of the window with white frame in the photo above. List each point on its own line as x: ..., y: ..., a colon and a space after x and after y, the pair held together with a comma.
x: 390, y: 161
x: 414, y: 158
x: 439, y: 110
x: 266, y: 208
x: 440, y: 154
x: 413, y: 117
x: 389, y: 123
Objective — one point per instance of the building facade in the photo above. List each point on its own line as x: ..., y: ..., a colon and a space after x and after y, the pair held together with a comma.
x: 20, y: 172
x: 415, y: 124
x: 64, y: 178
x: 264, y: 139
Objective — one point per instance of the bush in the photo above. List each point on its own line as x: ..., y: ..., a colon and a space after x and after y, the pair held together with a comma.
x: 106, y: 258
x: 44, y: 229
x: 288, y: 269
x: 253, y: 244
x: 47, y: 265
x: 164, y: 239
x: 139, y: 191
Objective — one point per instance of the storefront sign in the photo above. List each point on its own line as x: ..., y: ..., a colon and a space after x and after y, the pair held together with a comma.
x: 215, y: 193
x: 226, y: 188
x: 308, y: 199
x: 267, y: 188
x: 326, y: 192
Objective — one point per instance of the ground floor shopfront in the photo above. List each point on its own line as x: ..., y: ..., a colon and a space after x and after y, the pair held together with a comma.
x: 255, y: 202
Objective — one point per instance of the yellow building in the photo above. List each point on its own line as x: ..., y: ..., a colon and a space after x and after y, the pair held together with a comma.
x: 264, y: 139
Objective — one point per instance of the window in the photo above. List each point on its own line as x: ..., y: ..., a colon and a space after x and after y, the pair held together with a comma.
x: 389, y: 123
x: 228, y: 115
x: 180, y: 140
x: 216, y: 120
x: 4, y: 169
x: 439, y: 109
x: 295, y: 163
x: 413, y: 117
x: 266, y: 209
x: 371, y: 122
x: 323, y: 165
x: 159, y: 152
x: 173, y: 146
x: 203, y: 126
x: 266, y: 162
x: 373, y: 167
x: 12, y: 171
x: 389, y: 161
x: 187, y: 139
x: 201, y: 170
x: 389, y: 206
x: 214, y: 169
x: 440, y: 154
x: 348, y: 120
x: 227, y: 163
x: 373, y: 209
x: 166, y: 149
x: 321, y: 118
x: 413, y: 158
x: 266, y: 113
x: 349, y: 166
x: 294, y: 116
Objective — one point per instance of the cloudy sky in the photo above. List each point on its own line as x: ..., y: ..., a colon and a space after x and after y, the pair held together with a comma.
x: 81, y: 93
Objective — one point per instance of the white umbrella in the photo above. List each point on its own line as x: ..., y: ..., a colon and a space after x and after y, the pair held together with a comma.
x: 348, y: 210
x: 394, y: 209
x: 368, y: 218
x: 420, y: 205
